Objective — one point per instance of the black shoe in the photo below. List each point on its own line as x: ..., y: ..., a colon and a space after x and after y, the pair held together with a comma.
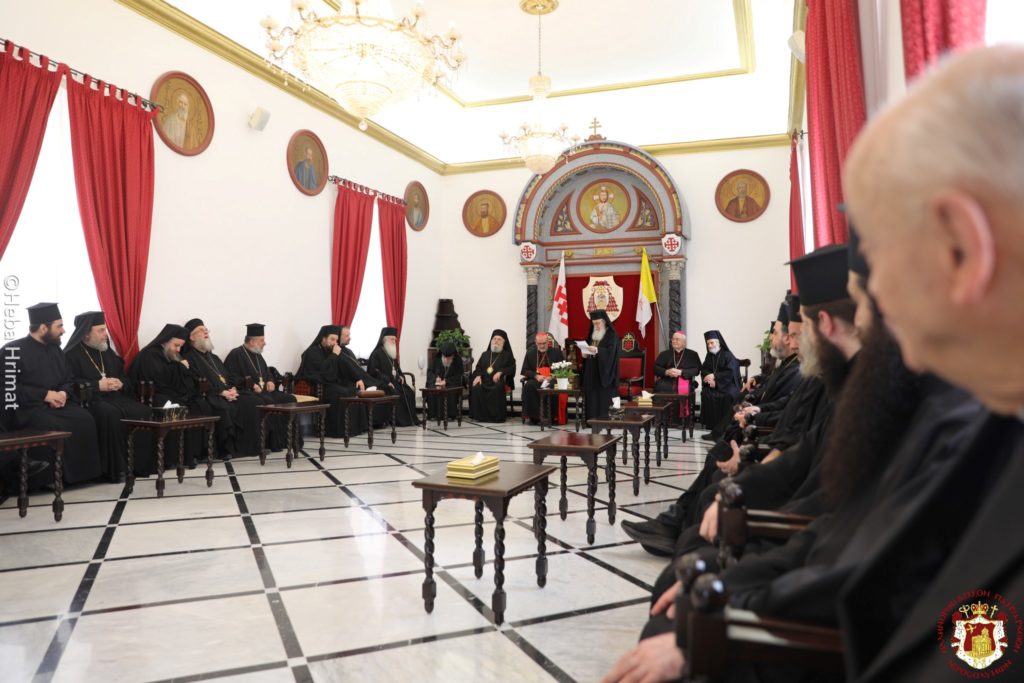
x: 652, y: 539
x: 710, y: 436
x: 37, y: 467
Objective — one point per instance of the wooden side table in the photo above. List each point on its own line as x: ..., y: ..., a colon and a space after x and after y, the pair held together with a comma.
x: 24, y: 439
x: 369, y: 403
x: 442, y: 394
x: 679, y: 400
x: 660, y: 411
x: 162, y: 429
x: 495, y: 491
x: 632, y: 424
x: 579, y: 401
x: 291, y: 410
x: 588, y: 447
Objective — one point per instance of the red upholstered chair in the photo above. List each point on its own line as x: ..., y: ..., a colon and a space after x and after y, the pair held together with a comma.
x: 632, y: 367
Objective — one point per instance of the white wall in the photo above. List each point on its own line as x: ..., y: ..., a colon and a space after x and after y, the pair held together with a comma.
x: 234, y: 242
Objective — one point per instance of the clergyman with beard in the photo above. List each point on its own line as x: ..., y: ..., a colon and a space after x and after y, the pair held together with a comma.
x: 39, y: 389
x: 100, y: 369
x: 263, y: 386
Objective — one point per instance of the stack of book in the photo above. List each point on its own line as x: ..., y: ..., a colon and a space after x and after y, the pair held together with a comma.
x: 473, y: 466
x: 644, y: 401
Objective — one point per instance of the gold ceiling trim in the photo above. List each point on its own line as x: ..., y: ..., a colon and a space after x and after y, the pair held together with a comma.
x: 176, y: 21
x: 797, y: 73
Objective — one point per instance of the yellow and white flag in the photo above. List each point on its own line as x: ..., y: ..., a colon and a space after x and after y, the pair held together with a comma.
x: 647, y: 296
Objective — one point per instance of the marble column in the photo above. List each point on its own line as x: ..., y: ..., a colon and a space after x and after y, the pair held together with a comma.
x: 532, y: 278
x: 676, y: 294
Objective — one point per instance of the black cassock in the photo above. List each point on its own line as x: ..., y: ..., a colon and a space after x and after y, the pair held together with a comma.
x: 108, y: 408
x: 239, y: 428
x: 688, y: 361
x: 453, y: 376
x: 387, y: 375
x: 32, y: 368
x: 241, y: 364
x: 601, y: 373
x: 717, y: 401
x: 172, y: 382
x: 531, y: 383
x: 487, y: 399
x: 337, y: 378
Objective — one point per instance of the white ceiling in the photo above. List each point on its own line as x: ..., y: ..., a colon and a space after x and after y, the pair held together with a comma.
x: 587, y: 44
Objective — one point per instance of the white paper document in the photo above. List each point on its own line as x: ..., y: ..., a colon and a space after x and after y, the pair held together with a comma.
x: 584, y: 348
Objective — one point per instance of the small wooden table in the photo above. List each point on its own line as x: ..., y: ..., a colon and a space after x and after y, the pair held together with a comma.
x: 660, y: 411
x: 442, y: 394
x: 24, y: 439
x: 680, y: 400
x: 162, y: 429
x: 369, y: 403
x: 579, y: 404
x: 291, y: 410
x: 589, y: 447
x: 632, y: 424
x: 495, y: 491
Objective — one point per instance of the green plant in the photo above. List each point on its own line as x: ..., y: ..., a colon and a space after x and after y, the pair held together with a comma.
x: 563, y: 370
x: 456, y: 336
x: 766, y: 343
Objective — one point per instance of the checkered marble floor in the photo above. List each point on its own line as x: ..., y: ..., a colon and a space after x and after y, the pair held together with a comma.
x: 314, y: 573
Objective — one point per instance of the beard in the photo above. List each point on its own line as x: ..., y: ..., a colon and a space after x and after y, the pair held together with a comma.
x: 598, y: 336
x: 171, y: 355
x: 496, y: 348
x: 203, y: 345
x: 52, y: 338
x: 391, y: 350
x: 258, y: 350
x: 875, y: 409
x: 821, y: 358
x: 101, y: 346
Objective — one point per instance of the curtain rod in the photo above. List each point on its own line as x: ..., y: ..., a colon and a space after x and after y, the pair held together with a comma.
x: 4, y: 42
x: 351, y: 184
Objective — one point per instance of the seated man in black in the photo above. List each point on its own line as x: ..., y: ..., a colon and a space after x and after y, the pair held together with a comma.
x: 264, y: 382
x: 721, y: 378
x: 446, y: 371
x: 487, y: 394
x: 542, y: 355
x: 675, y: 369
x: 386, y: 371
x: 334, y: 368
x: 39, y: 391
x: 96, y: 366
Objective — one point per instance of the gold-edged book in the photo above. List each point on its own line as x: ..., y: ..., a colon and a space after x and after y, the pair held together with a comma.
x: 472, y: 476
x: 473, y: 466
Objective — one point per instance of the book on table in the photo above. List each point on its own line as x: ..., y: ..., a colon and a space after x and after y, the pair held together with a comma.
x: 473, y: 466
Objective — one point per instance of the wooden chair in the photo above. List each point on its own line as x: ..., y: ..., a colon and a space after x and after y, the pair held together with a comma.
x: 744, y: 364
x: 82, y: 394
x: 632, y: 367
x: 737, y: 524
x: 713, y: 637
x: 145, y: 390
x: 303, y: 387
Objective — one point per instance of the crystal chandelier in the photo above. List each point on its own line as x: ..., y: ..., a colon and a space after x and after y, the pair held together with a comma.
x: 360, y: 56
x: 538, y: 146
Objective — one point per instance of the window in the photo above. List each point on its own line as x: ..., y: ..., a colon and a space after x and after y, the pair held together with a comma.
x: 46, y: 259
x: 370, y: 313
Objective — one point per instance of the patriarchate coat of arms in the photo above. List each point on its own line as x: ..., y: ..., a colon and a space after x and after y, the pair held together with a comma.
x: 979, y: 638
x: 603, y: 293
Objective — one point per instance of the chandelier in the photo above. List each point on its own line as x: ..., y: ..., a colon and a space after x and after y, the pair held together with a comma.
x: 538, y: 146
x: 360, y: 56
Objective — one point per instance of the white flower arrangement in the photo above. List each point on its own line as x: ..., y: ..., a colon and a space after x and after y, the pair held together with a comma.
x: 563, y: 370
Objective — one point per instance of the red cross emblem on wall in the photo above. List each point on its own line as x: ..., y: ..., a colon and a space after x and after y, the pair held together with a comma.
x: 527, y: 252
x: 671, y: 244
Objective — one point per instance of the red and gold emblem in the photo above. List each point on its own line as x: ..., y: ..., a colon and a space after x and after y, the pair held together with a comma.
x: 979, y: 638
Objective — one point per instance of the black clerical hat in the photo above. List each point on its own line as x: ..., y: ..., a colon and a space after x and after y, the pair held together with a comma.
x: 389, y: 332
x: 43, y: 313
x: 254, y: 330
x: 193, y: 324
x: 855, y: 261
x: 783, y: 316
x: 794, y: 308
x: 84, y: 322
x: 448, y: 349
x: 821, y: 275
x: 329, y: 330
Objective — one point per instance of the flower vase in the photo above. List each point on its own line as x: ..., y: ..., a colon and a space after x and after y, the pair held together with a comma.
x: 562, y: 382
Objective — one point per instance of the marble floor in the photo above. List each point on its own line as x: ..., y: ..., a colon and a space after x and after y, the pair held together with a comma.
x: 314, y: 573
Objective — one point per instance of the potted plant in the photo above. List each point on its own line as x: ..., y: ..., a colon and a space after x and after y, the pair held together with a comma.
x: 563, y: 371
x: 457, y: 337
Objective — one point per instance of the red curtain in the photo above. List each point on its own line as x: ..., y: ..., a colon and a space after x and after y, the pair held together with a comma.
x: 835, y: 108
x: 112, y: 149
x: 933, y: 27
x: 579, y: 321
x: 353, y: 215
x: 26, y: 96
x: 796, y: 216
x: 394, y: 259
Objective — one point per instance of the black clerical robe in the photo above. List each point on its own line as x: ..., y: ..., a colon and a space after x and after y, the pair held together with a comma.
x: 337, y: 375
x: 533, y: 361
x: 717, y: 401
x: 88, y: 366
x: 601, y: 375
x: 238, y: 431
x: 387, y: 375
x: 453, y: 376
x: 487, y: 401
x: 173, y: 383
x: 250, y: 373
x: 687, y: 361
x: 31, y: 369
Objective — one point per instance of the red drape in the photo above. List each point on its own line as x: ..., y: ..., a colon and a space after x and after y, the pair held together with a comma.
x: 579, y: 321
x: 112, y: 149
x: 353, y: 216
x: 26, y: 96
x: 796, y: 217
x: 933, y: 27
x: 835, y: 108
x: 394, y: 261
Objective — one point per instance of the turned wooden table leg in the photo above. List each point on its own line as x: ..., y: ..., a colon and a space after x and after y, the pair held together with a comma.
x: 429, y: 587
x: 23, y: 483
x: 498, y: 597
x: 540, y: 511
x: 636, y: 465
x: 322, y: 422
x: 209, y: 454
x: 478, y: 534
x: 160, y: 462
x: 129, y: 479
x: 290, y: 450
x: 263, y: 438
